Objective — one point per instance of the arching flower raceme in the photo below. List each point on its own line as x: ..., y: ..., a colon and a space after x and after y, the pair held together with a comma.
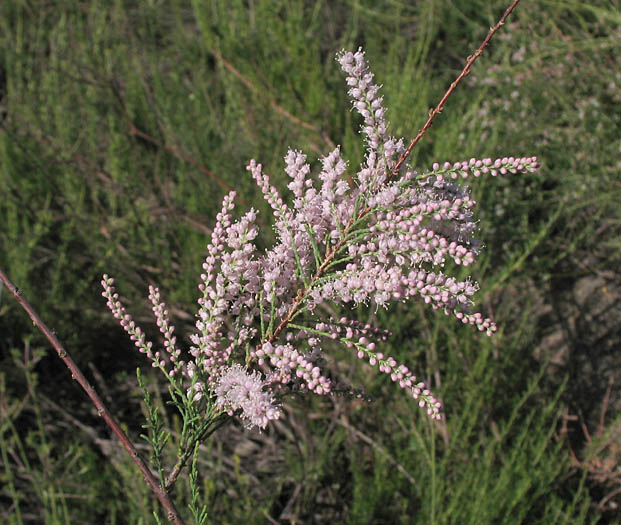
x: 391, y: 236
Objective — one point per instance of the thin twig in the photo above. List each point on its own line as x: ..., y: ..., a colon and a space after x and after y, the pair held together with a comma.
x: 77, y: 375
x: 605, y: 402
x: 380, y: 449
x: 135, y: 131
x: 171, y: 479
x: 273, y: 102
x: 438, y: 109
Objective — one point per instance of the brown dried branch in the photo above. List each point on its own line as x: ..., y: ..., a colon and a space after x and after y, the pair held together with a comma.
x: 77, y: 375
x: 438, y: 109
x: 273, y: 102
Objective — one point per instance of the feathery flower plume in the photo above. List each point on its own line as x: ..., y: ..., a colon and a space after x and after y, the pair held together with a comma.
x: 388, y: 238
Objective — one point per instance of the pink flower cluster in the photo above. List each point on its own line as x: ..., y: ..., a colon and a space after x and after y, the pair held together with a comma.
x: 238, y: 389
x: 394, y: 235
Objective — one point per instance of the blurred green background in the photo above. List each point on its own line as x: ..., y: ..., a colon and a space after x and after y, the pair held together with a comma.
x: 123, y: 124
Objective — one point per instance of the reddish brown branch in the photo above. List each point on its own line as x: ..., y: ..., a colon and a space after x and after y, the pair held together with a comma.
x: 438, y: 109
x: 133, y: 130
x: 76, y: 374
x: 273, y: 102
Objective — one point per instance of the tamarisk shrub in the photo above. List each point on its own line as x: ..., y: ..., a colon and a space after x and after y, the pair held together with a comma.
x: 384, y: 238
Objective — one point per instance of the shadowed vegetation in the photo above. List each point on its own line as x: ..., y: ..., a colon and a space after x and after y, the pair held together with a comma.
x: 123, y: 124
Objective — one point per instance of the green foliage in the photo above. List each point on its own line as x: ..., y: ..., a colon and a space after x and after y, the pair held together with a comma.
x: 44, y: 468
x: 123, y: 124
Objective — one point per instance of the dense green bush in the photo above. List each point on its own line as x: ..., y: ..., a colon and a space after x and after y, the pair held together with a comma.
x: 123, y: 125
